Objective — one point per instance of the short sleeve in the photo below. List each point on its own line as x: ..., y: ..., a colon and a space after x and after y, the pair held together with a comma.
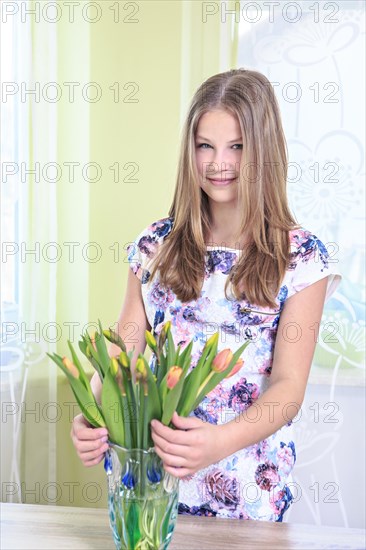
x: 135, y: 258
x: 141, y: 251
x: 313, y: 263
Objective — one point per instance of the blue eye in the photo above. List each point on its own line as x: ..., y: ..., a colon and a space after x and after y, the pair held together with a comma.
x: 200, y: 145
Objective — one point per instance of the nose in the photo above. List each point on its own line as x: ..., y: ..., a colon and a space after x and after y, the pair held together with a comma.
x: 221, y: 163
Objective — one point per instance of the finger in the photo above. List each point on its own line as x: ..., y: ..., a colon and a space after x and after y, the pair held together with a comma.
x: 93, y: 455
x: 91, y: 445
x: 172, y: 460
x: 88, y: 434
x: 185, y: 423
x: 174, y: 436
x: 169, y: 447
x: 93, y: 462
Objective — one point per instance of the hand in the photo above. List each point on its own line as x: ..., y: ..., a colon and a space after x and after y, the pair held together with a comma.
x: 190, y: 448
x: 90, y: 443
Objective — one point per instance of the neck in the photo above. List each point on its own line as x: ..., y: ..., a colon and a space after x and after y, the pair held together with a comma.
x: 225, y: 226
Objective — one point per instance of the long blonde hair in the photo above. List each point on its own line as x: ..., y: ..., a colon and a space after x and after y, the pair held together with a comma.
x: 266, y: 217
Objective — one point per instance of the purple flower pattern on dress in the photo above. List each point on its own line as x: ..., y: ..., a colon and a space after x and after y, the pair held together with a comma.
x: 266, y: 476
x: 242, y: 395
x: 222, y: 488
x: 159, y: 297
x: 219, y: 261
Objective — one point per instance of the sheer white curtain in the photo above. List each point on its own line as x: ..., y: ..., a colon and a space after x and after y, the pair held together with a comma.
x: 30, y: 274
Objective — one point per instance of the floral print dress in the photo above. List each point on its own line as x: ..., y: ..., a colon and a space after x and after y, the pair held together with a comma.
x: 255, y: 482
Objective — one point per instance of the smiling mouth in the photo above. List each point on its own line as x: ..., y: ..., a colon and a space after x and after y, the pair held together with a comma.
x: 220, y: 181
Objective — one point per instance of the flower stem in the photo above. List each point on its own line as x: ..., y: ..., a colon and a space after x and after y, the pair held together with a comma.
x: 206, y: 380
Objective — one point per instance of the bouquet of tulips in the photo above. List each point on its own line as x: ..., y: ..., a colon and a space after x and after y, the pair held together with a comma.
x: 129, y: 401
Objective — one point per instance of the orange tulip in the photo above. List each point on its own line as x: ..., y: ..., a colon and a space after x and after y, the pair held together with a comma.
x: 71, y: 367
x: 238, y: 365
x: 92, y: 338
x: 222, y: 360
x: 173, y: 376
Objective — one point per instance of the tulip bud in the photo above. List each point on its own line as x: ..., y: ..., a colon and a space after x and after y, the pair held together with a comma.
x: 114, y: 366
x: 173, y: 376
x: 141, y: 374
x: 119, y: 380
x: 238, y: 365
x: 93, y: 338
x: 163, y: 333
x: 141, y: 368
x: 167, y: 326
x: 211, y: 341
x: 124, y: 359
x: 150, y: 340
x: 71, y: 367
x: 222, y: 360
x: 114, y: 338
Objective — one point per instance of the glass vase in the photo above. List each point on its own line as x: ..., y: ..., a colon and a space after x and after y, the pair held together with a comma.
x: 142, y: 499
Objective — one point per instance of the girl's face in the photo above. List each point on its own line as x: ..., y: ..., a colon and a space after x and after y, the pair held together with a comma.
x: 218, y: 154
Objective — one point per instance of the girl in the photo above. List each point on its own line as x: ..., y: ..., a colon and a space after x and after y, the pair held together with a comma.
x: 229, y: 257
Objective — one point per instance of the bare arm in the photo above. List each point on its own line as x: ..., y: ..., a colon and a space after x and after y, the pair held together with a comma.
x: 293, y: 355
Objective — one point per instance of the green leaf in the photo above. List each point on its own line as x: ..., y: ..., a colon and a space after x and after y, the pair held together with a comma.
x: 170, y: 351
x: 130, y: 404
x: 88, y: 407
x: 86, y: 402
x: 154, y: 405
x: 113, y: 409
x: 83, y: 346
x: 140, y: 388
x: 146, y: 423
x: 195, y: 378
x: 127, y: 422
x: 102, y: 348
x: 163, y: 391
x: 83, y: 376
x: 186, y: 352
x: 205, y: 369
x: 94, y: 354
x: 177, y: 355
x: 161, y: 369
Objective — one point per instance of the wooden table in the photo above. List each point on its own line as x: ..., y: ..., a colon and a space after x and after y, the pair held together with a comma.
x: 33, y: 526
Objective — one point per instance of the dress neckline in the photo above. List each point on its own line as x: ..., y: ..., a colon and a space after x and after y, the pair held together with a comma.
x: 219, y: 247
